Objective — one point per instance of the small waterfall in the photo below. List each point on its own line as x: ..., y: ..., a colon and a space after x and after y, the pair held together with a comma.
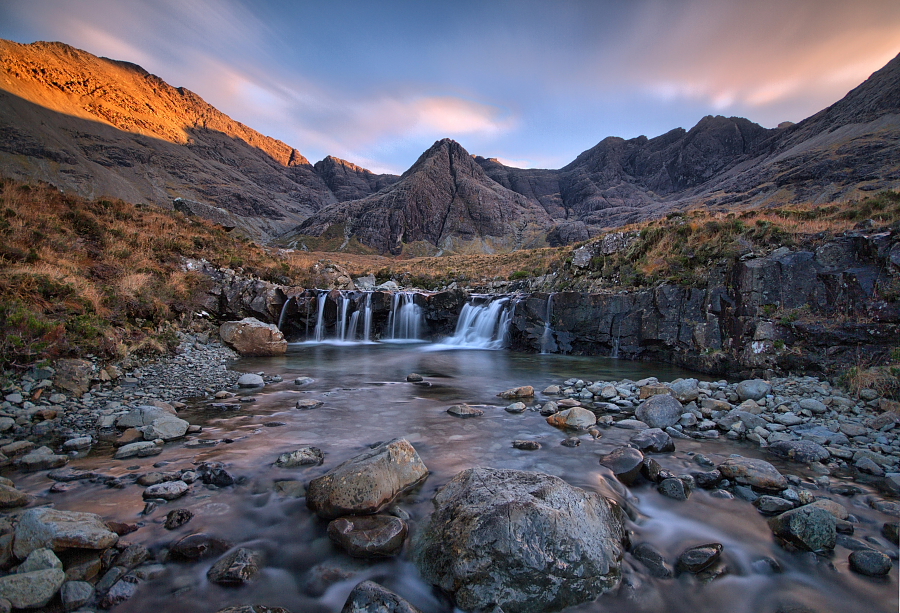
x: 482, y: 326
x: 367, y: 318
x: 284, y: 309
x: 342, y: 326
x: 547, y: 343
x: 615, y: 348
x: 406, y: 317
x: 320, y: 317
x: 354, y: 326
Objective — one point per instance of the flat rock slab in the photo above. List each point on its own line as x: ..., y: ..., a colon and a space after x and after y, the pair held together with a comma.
x: 464, y: 410
x: 142, y: 449
x: 369, y: 597
x: 521, y: 541
x: 60, y: 530
x: 369, y: 536
x: 366, y: 483
x: 755, y: 473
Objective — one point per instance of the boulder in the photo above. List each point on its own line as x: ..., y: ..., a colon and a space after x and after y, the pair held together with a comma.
x: 675, y: 488
x: 576, y: 417
x: 76, y: 594
x: 685, y: 390
x: 369, y: 597
x: 31, y: 590
x: 73, y: 375
x: 755, y: 473
x: 305, y: 456
x: 248, y: 380
x: 753, y: 389
x: 366, y: 483
x: 369, y: 536
x: 60, y: 530
x: 659, y: 411
x: 41, y: 458
x: 520, y: 541
x: 464, y: 410
x: 653, y: 440
x: 625, y: 463
x: 167, y: 428
x: 804, y: 452
x: 10, y: 497
x: 807, y: 528
x: 251, y: 337
x: 526, y: 391
x: 142, y: 449
x: 169, y: 490
x: 870, y: 563
x: 235, y: 568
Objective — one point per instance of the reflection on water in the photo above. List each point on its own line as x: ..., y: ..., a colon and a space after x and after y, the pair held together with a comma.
x: 367, y: 400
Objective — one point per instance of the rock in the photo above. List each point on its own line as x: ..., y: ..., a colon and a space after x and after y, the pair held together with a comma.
x: 807, y: 528
x: 685, y: 390
x: 39, y: 559
x: 552, y: 390
x: 881, y: 460
x: 631, y: 424
x: 177, y: 518
x: 707, y: 479
x: 41, y: 458
x: 236, y: 568
x: 464, y: 410
x: 835, y: 508
x: 673, y: 488
x: 10, y: 497
x: 60, y: 530
x: 73, y: 375
x: 76, y: 594
x: 526, y: 391
x: 143, y: 415
x: 804, y: 452
x: 215, y: 474
x: 756, y: 473
x: 659, y: 411
x: 304, y: 456
x: 866, y: 465
x: 80, y: 443
x: 625, y: 463
x: 252, y: 608
x: 368, y: 482
x: 132, y: 556
x: 167, y: 428
x: 891, y: 531
x: 300, y: 381
x: 31, y: 590
x: 527, y: 445
x: 290, y: 488
x: 530, y: 542
x: 167, y: 491
x: 249, y: 380
x: 549, y: 408
x: 753, y: 389
x: 811, y: 404
x: 699, y: 558
x: 197, y: 547
x: 870, y: 563
x: 369, y: 597
x: 140, y: 450
x: 251, y: 337
x: 517, y: 407
x: 414, y: 377
x: 576, y: 417
x: 369, y: 536
x: 653, y: 440
x: 304, y: 404
x: 571, y: 442
x: 788, y: 419
x: 772, y: 505
x: 653, y: 389
x: 652, y: 560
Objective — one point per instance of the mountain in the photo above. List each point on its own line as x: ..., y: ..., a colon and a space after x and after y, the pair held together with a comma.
x: 445, y: 201
x: 101, y: 127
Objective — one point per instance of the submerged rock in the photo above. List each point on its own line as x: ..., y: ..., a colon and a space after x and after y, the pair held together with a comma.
x: 699, y: 558
x: 652, y: 560
x: 464, y: 410
x: 625, y: 463
x: 368, y: 482
x: 521, y: 541
x: 236, y: 568
x: 653, y: 440
x: 369, y: 536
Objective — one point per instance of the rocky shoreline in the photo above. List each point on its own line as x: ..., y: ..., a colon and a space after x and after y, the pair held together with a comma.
x: 78, y: 561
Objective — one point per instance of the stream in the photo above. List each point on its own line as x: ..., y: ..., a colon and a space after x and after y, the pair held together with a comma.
x: 367, y: 400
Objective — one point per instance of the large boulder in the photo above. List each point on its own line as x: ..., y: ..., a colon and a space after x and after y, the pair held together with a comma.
x: 250, y: 336
x: 753, y: 389
x: 73, y: 375
x: 660, y: 411
x: 60, y: 530
x: 521, y: 541
x: 366, y: 483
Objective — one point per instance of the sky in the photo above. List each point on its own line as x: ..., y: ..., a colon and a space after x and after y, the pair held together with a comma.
x: 531, y: 83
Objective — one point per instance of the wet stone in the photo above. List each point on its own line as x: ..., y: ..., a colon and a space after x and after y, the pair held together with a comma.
x: 236, y: 568
x: 464, y: 410
x: 369, y: 536
x: 304, y: 456
x: 699, y: 558
x: 807, y: 528
x: 516, y: 407
x: 197, y: 547
x: 571, y: 442
x: 707, y: 479
x: 167, y: 491
x: 625, y: 463
x: 652, y: 560
x: 653, y: 440
x: 673, y: 488
x: 177, y: 518
x: 890, y: 531
x: 305, y: 404
x: 772, y: 505
x: 526, y: 445
x: 870, y: 563
x: 369, y: 597
x: 755, y: 473
x: 651, y: 470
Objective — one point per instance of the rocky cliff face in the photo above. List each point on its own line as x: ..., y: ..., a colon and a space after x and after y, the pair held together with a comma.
x: 444, y: 201
x: 347, y: 181
x: 103, y: 128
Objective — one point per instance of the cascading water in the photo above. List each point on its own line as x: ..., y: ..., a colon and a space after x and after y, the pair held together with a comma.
x: 482, y: 326
x: 367, y: 318
x: 342, y: 326
x: 320, y: 317
x: 406, y: 319
x: 284, y: 309
x: 547, y: 342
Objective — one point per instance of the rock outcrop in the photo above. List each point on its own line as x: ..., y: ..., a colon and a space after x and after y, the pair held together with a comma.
x: 251, y: 337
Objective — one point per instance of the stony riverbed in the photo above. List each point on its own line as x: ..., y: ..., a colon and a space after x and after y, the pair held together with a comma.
x: 823, y: 474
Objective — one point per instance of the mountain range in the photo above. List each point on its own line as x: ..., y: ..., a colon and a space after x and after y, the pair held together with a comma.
x: 106, y: 128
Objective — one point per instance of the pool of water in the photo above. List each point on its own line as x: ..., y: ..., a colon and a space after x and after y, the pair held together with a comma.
x: 367, y: 400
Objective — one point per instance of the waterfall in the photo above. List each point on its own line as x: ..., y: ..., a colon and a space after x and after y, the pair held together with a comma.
x: 320, y: 317
x: 406, y: 317
x: 342, y: 328
x: 482, y: 326
x: 547, y: 343
x: 354, y: 326
x: 615, y: 347
x: 367, y: 318
x: 284, y: 309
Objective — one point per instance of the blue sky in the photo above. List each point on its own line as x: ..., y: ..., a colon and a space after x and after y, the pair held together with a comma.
x: 532, y: 83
